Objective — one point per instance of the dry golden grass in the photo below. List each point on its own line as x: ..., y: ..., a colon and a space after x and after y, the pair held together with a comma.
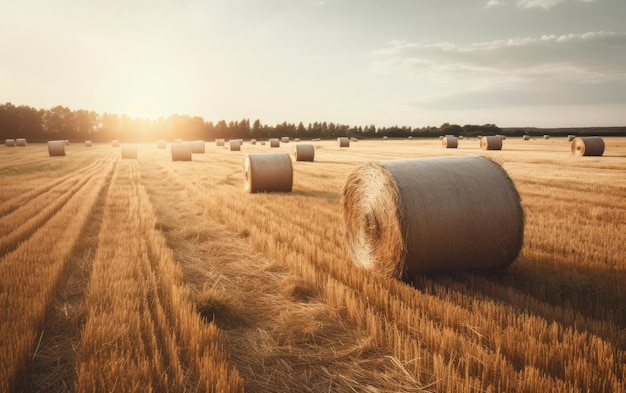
x: 193, y: 278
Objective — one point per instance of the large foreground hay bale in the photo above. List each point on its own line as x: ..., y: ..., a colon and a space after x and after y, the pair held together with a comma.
x: 129, y: 152
x: 9, y: 142
x: 343, y: 141
x: 414, y: 216
x: 274, y: 142
x: 181, y: 151
x: 588, y: 146
x: 268, y: 172
x: 304, y: 152
x: 234, y: 144
x: 449, y: 142
x: 197, y: 147
x: 220, y: 142
x: 56, y: 148
x: 20, y: 142
x: 161, y: 144
x: 491, y: 143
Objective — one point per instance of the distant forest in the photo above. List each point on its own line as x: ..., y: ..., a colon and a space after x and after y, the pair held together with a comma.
x: 59, y: 122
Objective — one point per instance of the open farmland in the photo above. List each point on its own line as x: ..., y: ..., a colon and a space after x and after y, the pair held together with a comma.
x: 154, y: 275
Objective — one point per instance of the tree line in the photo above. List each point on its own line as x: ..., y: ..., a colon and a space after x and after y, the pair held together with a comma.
x: 61, y: 122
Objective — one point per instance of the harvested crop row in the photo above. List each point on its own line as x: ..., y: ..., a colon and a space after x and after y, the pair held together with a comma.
x: 141, y: 331
x: 29, y: 274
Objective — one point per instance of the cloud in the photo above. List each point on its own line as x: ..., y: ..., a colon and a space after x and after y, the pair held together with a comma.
x: 545, y: 4
x: 555, y: 69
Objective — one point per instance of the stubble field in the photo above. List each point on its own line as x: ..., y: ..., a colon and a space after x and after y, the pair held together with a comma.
x: 152, y: 275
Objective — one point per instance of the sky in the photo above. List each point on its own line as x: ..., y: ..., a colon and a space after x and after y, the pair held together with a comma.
x: 418, y: 63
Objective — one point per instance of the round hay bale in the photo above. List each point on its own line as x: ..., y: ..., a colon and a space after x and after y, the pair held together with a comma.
x: 343, y: 141
x: 440, y: 136
x: 354, y: 139
x: 262, y: 143
x: 491, y: 143
x: 449, y: 142
x: 410, y: 136
x: 284, y: 139
x: 161, y: 144
x: 9, y: 142
x: 88, y: 143
x: 56, y: 148
x: 219, y: 142
x: 181, y: 151
x: 546, y: 137
x: 297, y: 140
x: 197, y: 147
x: 129, y: 152
x: 20, y: 142
x: 115, y: 143
x: 413, y: 216
x: 268, y: 172
x: 385, y: 138
x: 525, y: 137
x: 588, y: 146
x: 253, y: 141
x: 501, y: 136
x: 234, y: 145
x: 274, y: 142
x: 304, y: 152
x: 316, y: 139
x: 570, y: 138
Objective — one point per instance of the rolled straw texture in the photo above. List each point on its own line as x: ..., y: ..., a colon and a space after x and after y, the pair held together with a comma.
x: 129, y: 152
x: 197, y: 147
x: 181, y: 151
x: 56, y: 148
x: 343, y: 141
x: 588, y: 146
x: 9, y: 142
x: 274, y: 142
x: 234, y: 145
x: 219, y: 142
x: 161, y: 144
x: 21, y: 142
x: 304, y: 152
x: 491, y: 143
x: 449, y: 142
x: 414, y: 216
x: 268, y: 172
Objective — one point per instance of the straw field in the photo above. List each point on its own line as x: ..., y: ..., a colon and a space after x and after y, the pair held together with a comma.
x: 161, y: 275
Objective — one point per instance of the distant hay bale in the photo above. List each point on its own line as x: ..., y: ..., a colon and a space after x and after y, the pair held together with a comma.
x: 440, y: 136
x: 268, y: 172
x: 501, y: 136
x: 253, y: 141
x: 570, y: 138
x: 274, y: 142
x: 219, y: 142
x: 20, y: 142
x: 525, y: 137
x: 343, y: 141
x: 129, y: 152
x: 304, y: 152
x: 413, y: 216
x: 234, y: 145
x: 88, y: 143
x: 410, y: 136
x: 115, y: 143
x: 161, y: 144
x: 284, y: 139
x: 588, y: 146
x: 181, y: 151
x: 262, y: 143
x: 56, y: 148
x: 9, y: 142
x: 197, y: 147
x: 354, y: 139
x: 449, y: 142
x: 297, y: 140
x: 546, y: 137
x: 491, y: 143
x: 385, y: 137
x: 316, y: 139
